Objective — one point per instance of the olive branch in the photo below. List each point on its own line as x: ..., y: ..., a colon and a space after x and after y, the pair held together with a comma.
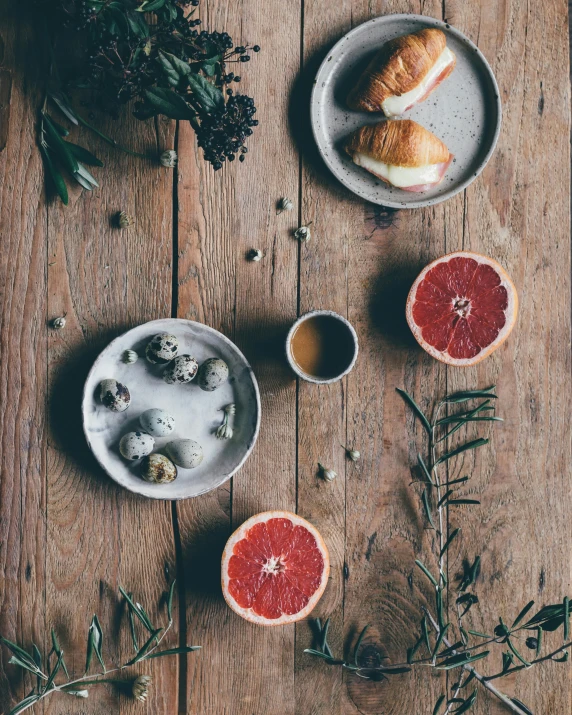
x: 445, y: 642
x: 46, y: 670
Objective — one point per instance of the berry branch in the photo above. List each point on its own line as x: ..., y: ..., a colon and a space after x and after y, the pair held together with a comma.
x: 148, y: 53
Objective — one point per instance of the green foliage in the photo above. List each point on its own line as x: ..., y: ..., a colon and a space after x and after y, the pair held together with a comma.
x: 468, y: 646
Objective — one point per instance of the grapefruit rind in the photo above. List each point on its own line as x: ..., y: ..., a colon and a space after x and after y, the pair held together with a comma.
x: 510, y: 312
x: 247, y: 613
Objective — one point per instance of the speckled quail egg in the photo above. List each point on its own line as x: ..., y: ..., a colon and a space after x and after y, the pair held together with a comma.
x: 181, y: 369
x: 157, y: 422
x: 114, y: 395
x: 212, y: 374
x: 162, y: 349
x: 135, y: 445
x: 185, y: 453
x: 158, y: 469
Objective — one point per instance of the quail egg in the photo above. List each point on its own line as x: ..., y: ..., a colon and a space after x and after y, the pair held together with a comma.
x: 162, y: 349
x: 212, y: 374
x: 181, y: 369
x: 158, y: 469
x: 114, y: 395
x: 135, y: 445
x: 157, y: 422
x: 185, y: 453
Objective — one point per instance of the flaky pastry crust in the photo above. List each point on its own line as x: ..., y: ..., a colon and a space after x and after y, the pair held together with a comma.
x: 397, y: 68
x: 399, y: 142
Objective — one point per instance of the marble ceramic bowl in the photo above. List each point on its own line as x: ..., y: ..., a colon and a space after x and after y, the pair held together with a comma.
x: 197, y: 413
x: 464, y: 111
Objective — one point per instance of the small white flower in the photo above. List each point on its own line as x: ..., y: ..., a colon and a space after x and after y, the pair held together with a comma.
x: 224, y: 431
x: 255, y: 254
x: 303, y: 234
x: 129, y: 357
x: 353, y: 454
x: 78, y: 693
x: 140, y: 687
x: 284, y: 205
x: 328, y: 474
x: 125, y: 220
x: 169, y: 158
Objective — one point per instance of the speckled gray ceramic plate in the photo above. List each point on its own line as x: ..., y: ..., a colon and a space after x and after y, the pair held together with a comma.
x: 196, y: 412
x: 464, y: 111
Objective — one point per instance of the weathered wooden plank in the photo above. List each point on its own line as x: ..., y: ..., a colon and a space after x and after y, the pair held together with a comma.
x: 23, y: 350
x: 518, y: 213
x: 244, y: 670
x: 362, y: 263
x: 106, y: 280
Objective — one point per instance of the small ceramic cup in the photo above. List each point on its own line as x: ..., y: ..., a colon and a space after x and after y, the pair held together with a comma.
x: 312, y: 378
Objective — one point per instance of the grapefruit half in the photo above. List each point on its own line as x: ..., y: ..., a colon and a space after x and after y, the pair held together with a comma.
x: 275, y: 568
x: 462, y: 307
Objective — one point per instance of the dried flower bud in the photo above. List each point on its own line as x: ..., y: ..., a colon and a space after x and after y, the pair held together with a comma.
x: 255, y: 254
x: 140, y: 687
x: 59, y: 323
x: 224, y: 431
x: 78, y: 693
x: 129, y: 357
x: 328, y: 474
x: 284, y: 205
x: 353, y: 454
x: 124, y: 220
x: 169, y: 159
x: 303, y: 234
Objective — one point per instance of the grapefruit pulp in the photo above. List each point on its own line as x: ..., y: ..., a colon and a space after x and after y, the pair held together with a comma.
x: 462, y: 307
x: 275, y: 568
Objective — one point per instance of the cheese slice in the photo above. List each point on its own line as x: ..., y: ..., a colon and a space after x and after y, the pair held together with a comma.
x: 401, y: 176
x: 396, y: 105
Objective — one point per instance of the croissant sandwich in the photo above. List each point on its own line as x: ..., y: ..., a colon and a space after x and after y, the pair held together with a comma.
x: 403, y: 73
x: 400, y: 152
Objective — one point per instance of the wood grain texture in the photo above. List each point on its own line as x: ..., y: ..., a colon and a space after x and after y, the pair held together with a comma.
x: 243, y: 670
x: 105, y: 280
x: 23, y: 352
x: 519, y: 214
x: 69, y: 536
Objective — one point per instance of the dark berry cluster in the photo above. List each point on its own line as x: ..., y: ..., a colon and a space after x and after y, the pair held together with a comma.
x: 222, y: 133
x: 122, y: 57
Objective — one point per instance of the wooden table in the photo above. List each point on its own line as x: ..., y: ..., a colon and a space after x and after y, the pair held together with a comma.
x: 69, y: 536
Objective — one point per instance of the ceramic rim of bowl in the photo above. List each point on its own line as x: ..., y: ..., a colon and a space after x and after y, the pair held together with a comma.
x: 304, y: 375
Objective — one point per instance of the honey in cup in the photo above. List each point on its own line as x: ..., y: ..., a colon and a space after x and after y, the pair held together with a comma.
x: 322, y: 347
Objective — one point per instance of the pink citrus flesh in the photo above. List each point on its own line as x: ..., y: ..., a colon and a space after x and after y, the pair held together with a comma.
x: 275, y: 568
x: 462, y: 307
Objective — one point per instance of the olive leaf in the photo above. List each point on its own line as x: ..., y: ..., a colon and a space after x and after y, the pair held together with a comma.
x: 84, y: 155
x: 24, y: 704
x: 438, y: 705
x: 173, y: 651
x: 94, y: 643
x: 416, y: 409
x: 56, y: 178
x: 170, y: 600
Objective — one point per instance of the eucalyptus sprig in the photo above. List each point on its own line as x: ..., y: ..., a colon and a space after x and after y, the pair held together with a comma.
x: 147, y: 53
x: 46, y: 670
x: 445, y: 641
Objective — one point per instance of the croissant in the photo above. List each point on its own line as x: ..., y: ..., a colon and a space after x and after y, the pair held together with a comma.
x: 403, y: 73
x: 401, y: 153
